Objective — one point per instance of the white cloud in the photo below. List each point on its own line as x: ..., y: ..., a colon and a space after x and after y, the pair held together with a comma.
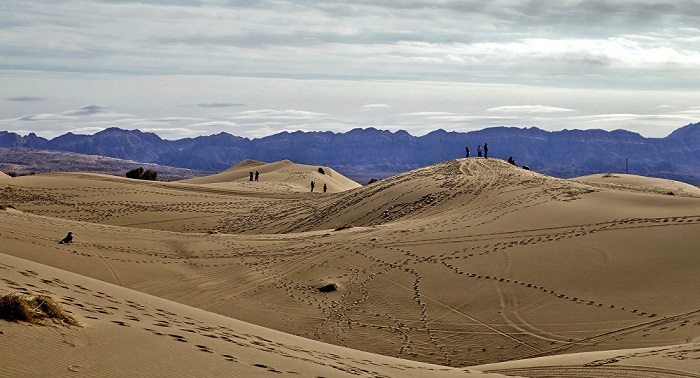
x: 217, y: 124
x: 276, y: 114
x: 375, y: 106
x: 528, y: 109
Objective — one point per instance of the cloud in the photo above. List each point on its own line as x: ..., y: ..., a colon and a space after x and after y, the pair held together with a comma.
x: 86, y: 110
x: 24, y: 99
x: 528, y: 109
x: 428, y: 114
x: 277, y: 114
x: 216, y: 124
x: 82, y: 112
x: 375, y: 106
x: 219, y: 105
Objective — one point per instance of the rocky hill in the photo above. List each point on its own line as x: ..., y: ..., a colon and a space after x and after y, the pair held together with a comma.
x: 362, y: 154
x: 25, y: 161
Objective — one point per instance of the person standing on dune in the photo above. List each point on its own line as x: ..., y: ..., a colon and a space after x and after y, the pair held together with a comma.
x: 256, y: 175
x: 467, y: 151
x: 478, y: 151
x: 486, y: 150
x: 312, y: 185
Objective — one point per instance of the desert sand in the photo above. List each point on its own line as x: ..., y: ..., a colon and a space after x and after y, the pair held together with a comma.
x: 464, y: 266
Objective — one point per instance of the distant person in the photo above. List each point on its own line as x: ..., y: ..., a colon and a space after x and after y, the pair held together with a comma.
x: 510, y: 160
x: 467, y: 151
x: 486, y: 150
x: 256, y: 175
x: 312, y: 185
x: 251, y: 176
x: 68, y: 239
x: 325, y: 188
x: 478, y: 151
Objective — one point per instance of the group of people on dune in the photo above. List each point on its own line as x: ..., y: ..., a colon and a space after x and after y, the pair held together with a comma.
x: 479, y: 150
x: 485, y: 152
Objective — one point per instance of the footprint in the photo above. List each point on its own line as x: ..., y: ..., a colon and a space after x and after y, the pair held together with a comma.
x: 178, y: 338
x: 230, y: 358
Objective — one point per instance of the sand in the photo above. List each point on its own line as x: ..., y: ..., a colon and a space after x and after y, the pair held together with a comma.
x: 463, y: 264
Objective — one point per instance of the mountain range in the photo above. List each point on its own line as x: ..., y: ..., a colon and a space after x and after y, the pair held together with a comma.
x: 367, y: 153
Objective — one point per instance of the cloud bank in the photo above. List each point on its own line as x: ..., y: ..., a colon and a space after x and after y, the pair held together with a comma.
x: 285, y: 65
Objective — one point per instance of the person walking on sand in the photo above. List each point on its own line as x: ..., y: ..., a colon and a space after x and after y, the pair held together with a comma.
x: 251, y: 176
x: 486, y: 150
x: 256, y: 175
x: 325, y: 188
x: 312, y: 186
x: 467, y: 151
x: 478, y: 151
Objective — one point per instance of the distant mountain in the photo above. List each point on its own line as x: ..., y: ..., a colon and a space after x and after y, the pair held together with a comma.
x: 370, y: 153
x: 24, y: 161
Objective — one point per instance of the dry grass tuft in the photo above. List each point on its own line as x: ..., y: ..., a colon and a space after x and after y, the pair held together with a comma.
x: 342, y: 226
x: 15, y: 307
x: 33, y: 309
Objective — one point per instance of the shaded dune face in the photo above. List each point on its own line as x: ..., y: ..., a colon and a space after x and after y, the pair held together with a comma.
x: 465, y: 262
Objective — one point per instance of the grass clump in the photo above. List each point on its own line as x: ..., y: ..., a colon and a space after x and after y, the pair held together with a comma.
x: 343, y: 226
x: 33, y: 309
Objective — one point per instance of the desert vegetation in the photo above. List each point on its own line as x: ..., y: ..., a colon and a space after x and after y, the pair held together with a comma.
x: 33, y: 309
x: 141, y: 174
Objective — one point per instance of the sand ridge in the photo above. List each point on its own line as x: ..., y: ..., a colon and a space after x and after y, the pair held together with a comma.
x: 465, y: 262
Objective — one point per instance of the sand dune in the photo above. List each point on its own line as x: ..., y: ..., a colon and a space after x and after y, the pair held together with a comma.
x: 281, y: 176
x: 640, y: 184
x: 127, y: 333
x: 466, y: 262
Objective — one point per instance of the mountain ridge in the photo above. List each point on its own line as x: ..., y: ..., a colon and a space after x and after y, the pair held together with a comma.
x: 365, y: 153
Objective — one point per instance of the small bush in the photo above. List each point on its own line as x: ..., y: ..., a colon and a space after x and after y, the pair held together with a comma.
x: 12, y: 174
x: 17, y: 307
x: 140, y: 174
x: 372, y: 181
x: 321, y: 171
x: 343, y: 226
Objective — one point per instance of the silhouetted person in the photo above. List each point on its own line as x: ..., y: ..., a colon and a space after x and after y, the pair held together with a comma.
x: 312, y: 185
x: 478, y: 151
x: 325, y: 188
x: 486, y: 150
x: 467, y: 151
x: 68, y: 239
x: 510, y: 160
x: 256, y: 175
x: 251, y: 176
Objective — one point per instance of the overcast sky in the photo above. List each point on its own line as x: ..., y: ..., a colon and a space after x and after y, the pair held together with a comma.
x: 184, y: 68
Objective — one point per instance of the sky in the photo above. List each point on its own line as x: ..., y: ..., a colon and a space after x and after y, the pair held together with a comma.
x: 185, y: 68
